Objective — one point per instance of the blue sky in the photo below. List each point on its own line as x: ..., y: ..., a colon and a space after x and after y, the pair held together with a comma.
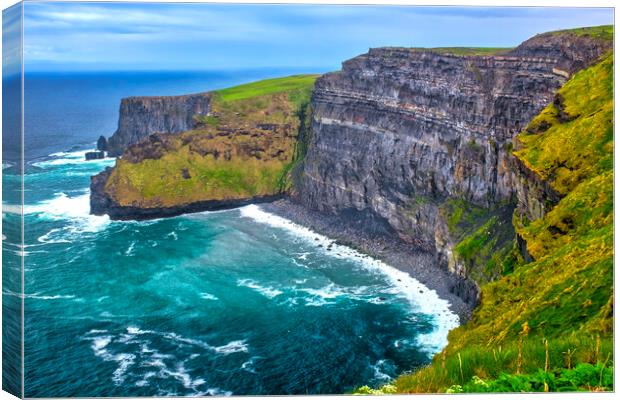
x: 151, y: 36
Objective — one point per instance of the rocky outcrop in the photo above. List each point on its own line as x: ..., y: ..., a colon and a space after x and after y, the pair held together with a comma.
x: 101, y: 203
x: 102, y: 143
x: 142, y: 116
x: 94, y: 155
x: 398, y: 131
x: 241, y: 152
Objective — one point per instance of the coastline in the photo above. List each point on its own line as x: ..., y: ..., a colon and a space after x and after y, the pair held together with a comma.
x: 380, y: 244
x: 360, y: 231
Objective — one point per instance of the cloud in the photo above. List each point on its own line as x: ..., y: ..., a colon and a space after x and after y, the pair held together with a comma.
x: 183, y: 35
x: 11, y: 40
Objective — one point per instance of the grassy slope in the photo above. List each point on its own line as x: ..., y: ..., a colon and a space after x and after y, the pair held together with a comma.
x: 565, y: 296
x: 605, y: 32
x: 472, y: 51
x: 230, y: 155
x: 483, y: 238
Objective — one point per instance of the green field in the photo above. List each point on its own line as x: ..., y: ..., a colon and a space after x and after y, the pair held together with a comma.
x: 298, y: 85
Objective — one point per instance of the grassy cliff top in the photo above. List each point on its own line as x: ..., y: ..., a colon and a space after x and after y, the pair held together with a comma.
x: 244, y: 147
x: 295, y: 84
x: 471, y: 51
x: 605, y: 32
x: 557, y: 310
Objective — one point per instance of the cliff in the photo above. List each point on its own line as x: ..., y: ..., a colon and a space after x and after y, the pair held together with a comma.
x: 556, y: 309
x: 407, y: 134
x: 241, y: 151
x: 142, y: 116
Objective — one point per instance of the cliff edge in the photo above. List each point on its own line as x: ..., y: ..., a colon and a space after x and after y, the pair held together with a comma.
x: 142, y: 116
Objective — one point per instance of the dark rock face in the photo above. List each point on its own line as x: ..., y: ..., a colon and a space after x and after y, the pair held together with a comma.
x: 570, y: 53
x: 142, y: 116
x: 102, y: 143
x: 398, y: 131
x: 94, y: 155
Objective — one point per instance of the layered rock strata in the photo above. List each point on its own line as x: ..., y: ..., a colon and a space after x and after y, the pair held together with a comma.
x: 399, y: 131
x: 142, y: 116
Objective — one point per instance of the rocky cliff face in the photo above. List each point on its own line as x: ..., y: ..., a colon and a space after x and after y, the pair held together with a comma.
x: 399, y: 131
x: 142, y: 116
x: 241, y: 152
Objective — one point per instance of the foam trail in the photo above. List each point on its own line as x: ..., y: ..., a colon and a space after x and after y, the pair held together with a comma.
x: 39, y: 296
x: 72, y: 157
x: 75, y: 209
x: 268, y: 292
x: 422, y: 299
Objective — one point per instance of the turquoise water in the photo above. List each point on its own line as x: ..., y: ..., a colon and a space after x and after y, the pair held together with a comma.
x: 233, y: 302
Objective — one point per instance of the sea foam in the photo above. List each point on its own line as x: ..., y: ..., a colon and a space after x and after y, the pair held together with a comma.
x: 421, y: 298
x: 74, y: 209
x: 72, y: 157
x: 140, y: 362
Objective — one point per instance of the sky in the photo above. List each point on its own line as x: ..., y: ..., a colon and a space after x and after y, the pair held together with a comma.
x: 151, y: 36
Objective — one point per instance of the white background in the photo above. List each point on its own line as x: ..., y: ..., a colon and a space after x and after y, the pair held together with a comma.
x: 532, y: 3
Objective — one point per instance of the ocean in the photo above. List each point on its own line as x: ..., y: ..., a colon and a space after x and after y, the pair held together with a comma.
x: 236, y: 302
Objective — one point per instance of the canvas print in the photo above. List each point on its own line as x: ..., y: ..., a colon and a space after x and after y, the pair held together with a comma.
x: 205, y: 199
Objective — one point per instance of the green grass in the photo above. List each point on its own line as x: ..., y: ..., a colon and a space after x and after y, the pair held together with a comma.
x: 565, y: 296
x: 492, y: 362
x: 584, y: 377
x: 471, y: 51
x: 291, y: 84
x: 586, y: 139
x: 605, y: 32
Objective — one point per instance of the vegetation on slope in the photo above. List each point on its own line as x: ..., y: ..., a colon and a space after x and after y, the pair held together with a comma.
x: 556, y: 311
x: 471, y: 51
x: 484, y: 238
x: 605, y: 32
x: 244, y: 148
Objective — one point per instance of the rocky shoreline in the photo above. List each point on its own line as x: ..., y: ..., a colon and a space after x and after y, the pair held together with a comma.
x: 370, y: 236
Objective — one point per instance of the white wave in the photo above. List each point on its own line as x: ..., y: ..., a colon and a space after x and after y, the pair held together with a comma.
x: 72, y: 157
x: 217, y: 392
x: 74, y: 209
x: 11, y: 208
x: 232, y: 347
x: 129, y: 251
x: 328, y: 292
x: 421, y: 298
x: 208, y: 296
x: 378, y: 371
x: 49, y: 237
x: 39, y: 296
x: 99, y: 343
x: 249, y: 365
x: 96, y: 331
x: 268, y: 291
x: 150, y: 364
x: 6, y: 165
